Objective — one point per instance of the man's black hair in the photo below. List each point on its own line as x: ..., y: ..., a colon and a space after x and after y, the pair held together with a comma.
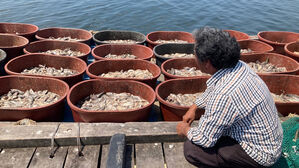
x: 218, y: 46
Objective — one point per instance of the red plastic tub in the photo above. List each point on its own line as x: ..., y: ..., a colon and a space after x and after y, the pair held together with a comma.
x: 93, y: 86
x: 84, y: 35
x: 168, y: 35
x: 140, y: 51
x: 287, y: 84
x: 255, y: 46
x: 45, y: 45
x: 173, y: 112
x: 179, y: 63
x: 290, y: 48
x: 13, y: 45
x: 17, y: 65
x: 278, y: 39
x: 21, y: 29
x: 51, y: 112
x: 105, y: 66
x: 238, y: 35
x: 291, y: 65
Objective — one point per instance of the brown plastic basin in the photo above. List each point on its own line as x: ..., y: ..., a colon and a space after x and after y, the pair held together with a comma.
x: 105, y: 66
x: 173, y: 112
x: 102, y: 36
x: 94, y: 86
x: 140, y: 51
x: 168, y: 35
x: 51, y: 112
x: 238, y: 35
x: 20, y: 29
x: 179, y: 63
x: 17, y: 65
x: 2, y: 61
x: 45, y: 45
x: 278, y: 39
x: 162, y: 49
x: 13, y: 45
x: 291, y: 65
x: 56, y: 32
x: 290, y: 48
x: 287, y: 84
x: 255, y: 46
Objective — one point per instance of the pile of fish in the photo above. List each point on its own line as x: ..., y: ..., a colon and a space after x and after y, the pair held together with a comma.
x: 183, y: 99
x: 245, y: 51
x: 68, y: 38
x: 49, y: 71
x: 179, y: 55
x: 171, y: 41
x: 265, y: 66
x: 285, y: 97
x: 121, y: 56
x: 120, y: 41
x: 112, y: 102
x: 296, y: 52
x: 28, y: 99
x: 186, y: 72
x: 131, y: 73
x: 64, y: 52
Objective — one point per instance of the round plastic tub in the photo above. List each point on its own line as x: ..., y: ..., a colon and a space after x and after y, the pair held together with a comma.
x: 13, y: 45
x: 105, y: 66
x: 21, y: 29
x: 255, y: 46
x: 45, y: 45
x: 290, y: 48
x: 238, y: 35
x: 51, y: 112
x: 102, y: 36
x: 17, y: 65
x: 95, y: 86
x: 173, y: 112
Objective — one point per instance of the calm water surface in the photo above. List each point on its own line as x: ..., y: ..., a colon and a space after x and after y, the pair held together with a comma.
x: 152, y: 15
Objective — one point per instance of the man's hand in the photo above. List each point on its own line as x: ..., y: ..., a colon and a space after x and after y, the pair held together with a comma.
x: 189, y: 117
x: 182, y: 128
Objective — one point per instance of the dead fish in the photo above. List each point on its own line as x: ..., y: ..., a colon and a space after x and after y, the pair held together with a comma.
x: 27, y: 99
x: 244, y: 51
x: 131, y: 73
x: 183, y: 99
x: 121, y: 41
x: 186, y: 72
x: 68, y: 38
x: 179, y: 55
x: 285, y: 97
x: 64, y: 52
x: 110, y: 101
x: 49, y: 71
x: 171, y: 41
x: 265, y: 67
x: 121, y: 56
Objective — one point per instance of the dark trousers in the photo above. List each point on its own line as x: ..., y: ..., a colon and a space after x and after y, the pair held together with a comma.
x: 226, y: 153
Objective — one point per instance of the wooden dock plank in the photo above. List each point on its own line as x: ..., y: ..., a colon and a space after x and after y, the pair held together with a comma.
x: 16, y: 157
x: 149, y: 155
x: 174, y: 155
x: 91, y: 134
x: 89, y: 159
x: 104, y: 155
x: 41, y: 158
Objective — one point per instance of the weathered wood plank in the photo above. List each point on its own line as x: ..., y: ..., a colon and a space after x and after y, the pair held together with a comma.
x: 41, y: 158
x: 149, y: 155
x: 91, y: 133
x: 104, y: 155
x: 16, y: 157
x: 89, y: 159
x: 174, y: 155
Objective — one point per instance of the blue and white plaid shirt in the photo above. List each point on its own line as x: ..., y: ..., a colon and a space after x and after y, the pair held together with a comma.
x: 239, y: 104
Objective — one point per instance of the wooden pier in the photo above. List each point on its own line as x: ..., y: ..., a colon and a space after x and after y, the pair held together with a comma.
x: 146, y: 145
